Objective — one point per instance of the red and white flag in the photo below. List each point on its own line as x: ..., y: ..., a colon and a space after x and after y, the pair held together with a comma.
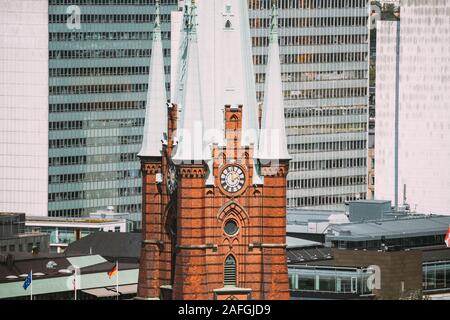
x: 447, y: 238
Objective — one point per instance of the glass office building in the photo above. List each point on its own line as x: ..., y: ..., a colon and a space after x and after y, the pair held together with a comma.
x: 325, y: 63
x: 99, y: 58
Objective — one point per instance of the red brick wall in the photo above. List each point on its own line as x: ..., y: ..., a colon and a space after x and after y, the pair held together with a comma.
x: 202, y: 245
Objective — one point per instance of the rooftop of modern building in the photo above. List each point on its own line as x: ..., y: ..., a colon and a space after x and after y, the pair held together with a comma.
x: 48, y: 265
x: 24, y: 235
x: 374, y: 202
x: 86, y: 220
x: 398, y: 227
x: 10, y: 214
x: 299, y: 216
x: 296, y: 228
x: 53, y: 274
x: 293, y: 243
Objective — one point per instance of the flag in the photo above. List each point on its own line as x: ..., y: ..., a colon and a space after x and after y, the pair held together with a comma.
x: 27, y: 281
x: 447, y: 238
x: 113, y: 271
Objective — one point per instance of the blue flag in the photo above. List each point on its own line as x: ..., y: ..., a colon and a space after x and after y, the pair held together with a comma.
x: 27, y: 281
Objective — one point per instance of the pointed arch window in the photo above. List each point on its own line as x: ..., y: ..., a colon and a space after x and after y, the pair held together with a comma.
x: 229, y: 275
x: 228, y: 24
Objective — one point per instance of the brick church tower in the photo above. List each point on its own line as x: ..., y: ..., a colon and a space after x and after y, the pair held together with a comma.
x: 214, y: 167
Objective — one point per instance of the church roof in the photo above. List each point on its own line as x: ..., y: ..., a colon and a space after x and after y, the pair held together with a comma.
x: 155, y: 128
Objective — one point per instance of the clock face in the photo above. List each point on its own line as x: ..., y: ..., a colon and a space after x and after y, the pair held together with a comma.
x: 232, y: 179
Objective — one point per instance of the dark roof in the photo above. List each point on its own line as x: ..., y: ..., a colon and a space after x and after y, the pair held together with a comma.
x: 114, y: 245
x: 24, y: 263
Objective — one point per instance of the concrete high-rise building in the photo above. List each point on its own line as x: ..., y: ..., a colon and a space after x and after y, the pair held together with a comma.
x: 325, y: 63
x: 412, y: 145
x: 378, y: 12
x: 23, y: 106
x: 99, y: 59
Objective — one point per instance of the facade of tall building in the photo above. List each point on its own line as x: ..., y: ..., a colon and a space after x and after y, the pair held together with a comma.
x: 214, y: 178
x: 414, y: 107
x: 99, y: 58
x: 23, y: 106
x: 325, y: 65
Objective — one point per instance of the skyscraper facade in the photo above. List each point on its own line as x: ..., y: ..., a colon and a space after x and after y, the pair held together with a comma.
x: 413, y: 106
x: 23, y: 106
x: 99, y: 59
x: 325, y: 61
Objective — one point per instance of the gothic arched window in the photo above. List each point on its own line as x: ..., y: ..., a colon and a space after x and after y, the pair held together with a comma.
x: 228, y: 24
x: 229, y: 274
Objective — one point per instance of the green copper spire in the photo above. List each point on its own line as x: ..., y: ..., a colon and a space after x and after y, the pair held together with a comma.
x: 274, y: 25
x: 157, y: 29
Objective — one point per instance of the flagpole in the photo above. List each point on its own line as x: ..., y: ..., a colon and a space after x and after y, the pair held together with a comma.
x: 117, y: 279
x: 31, y: 297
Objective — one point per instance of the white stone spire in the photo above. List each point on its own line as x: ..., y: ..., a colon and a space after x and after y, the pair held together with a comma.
x: 250, y: 111
x: 155, y: 128
x: 179, y: 67
x: 190, y: 132
x: 272, y: 142
x: 227, y: 66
